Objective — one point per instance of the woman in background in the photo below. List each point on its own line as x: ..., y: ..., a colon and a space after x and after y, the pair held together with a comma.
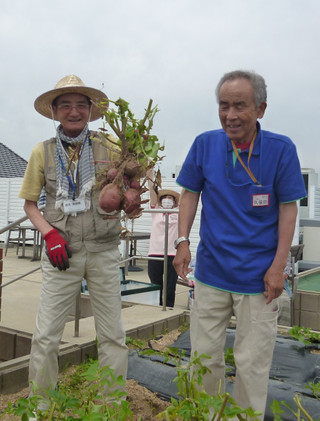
x: 164, y: 199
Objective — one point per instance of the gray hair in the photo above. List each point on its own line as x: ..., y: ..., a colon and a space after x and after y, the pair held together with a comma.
x: 257, y: 81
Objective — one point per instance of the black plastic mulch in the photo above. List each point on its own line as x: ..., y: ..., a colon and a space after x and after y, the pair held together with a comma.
x: 293, y: 367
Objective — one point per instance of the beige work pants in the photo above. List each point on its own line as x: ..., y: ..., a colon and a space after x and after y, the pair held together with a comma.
x: 256, y: 331
x: 59, y: 291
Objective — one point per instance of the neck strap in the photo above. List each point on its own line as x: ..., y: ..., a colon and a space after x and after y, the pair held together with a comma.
x: 247, y: 168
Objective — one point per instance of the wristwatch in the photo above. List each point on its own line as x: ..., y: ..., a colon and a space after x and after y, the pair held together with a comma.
x: 179, y: 240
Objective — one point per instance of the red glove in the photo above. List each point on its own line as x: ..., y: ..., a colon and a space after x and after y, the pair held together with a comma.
x: 57, y: 250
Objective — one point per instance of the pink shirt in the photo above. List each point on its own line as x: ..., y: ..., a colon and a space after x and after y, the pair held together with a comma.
x: 158, y: 232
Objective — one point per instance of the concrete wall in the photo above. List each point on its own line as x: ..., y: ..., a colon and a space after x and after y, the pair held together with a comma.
x: 13, y: 344
x: 14, y: 372
x: 307, y: 310
x: 306, y: 304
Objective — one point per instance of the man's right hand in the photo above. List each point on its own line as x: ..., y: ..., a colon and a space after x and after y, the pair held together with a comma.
x: 182, y: 260
x: 57, y: 249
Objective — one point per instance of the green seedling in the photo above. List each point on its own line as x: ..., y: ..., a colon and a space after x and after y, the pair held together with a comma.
x: 304, y: 335
x: 88, y: 402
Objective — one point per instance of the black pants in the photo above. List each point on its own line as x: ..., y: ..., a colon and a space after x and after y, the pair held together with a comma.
x: 155, y: 272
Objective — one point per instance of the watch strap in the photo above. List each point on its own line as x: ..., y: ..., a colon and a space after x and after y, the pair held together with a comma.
x: 180, y: 240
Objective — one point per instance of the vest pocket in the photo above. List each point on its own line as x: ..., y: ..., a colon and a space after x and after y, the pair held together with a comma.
x: 58, y: 220
x: 107, y: 226
x: 51, y: 182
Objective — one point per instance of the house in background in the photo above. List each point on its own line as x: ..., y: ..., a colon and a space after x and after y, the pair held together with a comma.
x: 12, y: 168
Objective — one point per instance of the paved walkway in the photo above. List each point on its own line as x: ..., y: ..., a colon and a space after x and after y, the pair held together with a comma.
x: 20, y: 300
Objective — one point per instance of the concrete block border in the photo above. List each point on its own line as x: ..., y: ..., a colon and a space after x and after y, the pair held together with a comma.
x: 14, y: 372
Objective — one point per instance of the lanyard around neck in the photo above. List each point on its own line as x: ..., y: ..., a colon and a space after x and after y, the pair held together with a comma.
x: 72, y: 181
x: 250, y: 173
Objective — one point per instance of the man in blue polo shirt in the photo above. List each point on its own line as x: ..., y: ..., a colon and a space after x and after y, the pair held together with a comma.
x: 249, y: 181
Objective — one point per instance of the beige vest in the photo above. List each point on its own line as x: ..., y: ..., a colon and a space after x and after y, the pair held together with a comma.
x: 92, y: 228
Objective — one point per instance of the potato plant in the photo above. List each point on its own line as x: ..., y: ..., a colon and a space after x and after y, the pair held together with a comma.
x: 123, y: 182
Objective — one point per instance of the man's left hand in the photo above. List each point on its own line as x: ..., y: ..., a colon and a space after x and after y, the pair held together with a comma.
x: 274, y: 280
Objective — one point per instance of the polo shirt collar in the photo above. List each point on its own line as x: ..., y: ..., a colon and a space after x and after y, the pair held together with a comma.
x: 256, y: 147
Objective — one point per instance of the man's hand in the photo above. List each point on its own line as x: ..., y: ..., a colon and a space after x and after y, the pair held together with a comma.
x: 58, y: 250
x: 182, y: 260
x: 274, y: 280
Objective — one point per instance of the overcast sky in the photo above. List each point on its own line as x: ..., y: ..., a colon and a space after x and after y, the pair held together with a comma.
x: 173, y: 51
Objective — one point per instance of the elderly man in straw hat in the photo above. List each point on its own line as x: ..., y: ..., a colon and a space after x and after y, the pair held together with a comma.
x: 81, y: 241
x: 163, y: 199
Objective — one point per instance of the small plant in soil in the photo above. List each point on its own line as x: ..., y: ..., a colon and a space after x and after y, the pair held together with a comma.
x: 85, y: 401
x: 80, y: 396
x: 123, y: 182
x: 135, y: 343
x: 305, y: 335
x: 300, y: 413
x: 195, y: 403
x: 315, y: 388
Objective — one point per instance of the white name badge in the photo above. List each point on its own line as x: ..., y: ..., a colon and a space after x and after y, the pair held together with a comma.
x: 74, y: 206
x: 259, y: 200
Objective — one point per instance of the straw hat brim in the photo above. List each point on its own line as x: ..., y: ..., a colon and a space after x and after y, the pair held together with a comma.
x: 167, y: 192
x: 43, y: 102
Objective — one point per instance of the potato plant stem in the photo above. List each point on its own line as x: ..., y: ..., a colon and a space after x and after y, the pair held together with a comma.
x: 148, y: 110
x: 301, y: 408
x: 223, y: 408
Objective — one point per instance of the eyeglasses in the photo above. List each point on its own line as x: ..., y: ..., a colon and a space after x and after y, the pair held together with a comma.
x: 69, y: 107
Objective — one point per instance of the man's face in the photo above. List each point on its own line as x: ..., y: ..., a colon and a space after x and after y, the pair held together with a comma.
x: 72, y: 110
x: 238, y: 112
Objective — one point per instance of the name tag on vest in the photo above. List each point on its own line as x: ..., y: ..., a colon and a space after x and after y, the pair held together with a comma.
x: 74, y: 206
x: 259, y: 200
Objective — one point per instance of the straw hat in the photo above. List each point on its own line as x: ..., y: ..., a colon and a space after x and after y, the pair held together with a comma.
x: 167, y: 192
x: 68, y: 85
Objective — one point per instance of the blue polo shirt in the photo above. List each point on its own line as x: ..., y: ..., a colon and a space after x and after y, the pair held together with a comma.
x: 239, y: 219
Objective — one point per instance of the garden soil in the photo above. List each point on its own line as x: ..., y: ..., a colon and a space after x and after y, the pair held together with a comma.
x: 294, y: 365
x: 143, y: 403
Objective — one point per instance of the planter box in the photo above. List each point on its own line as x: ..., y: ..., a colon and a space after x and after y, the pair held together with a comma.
x: 306, y: 303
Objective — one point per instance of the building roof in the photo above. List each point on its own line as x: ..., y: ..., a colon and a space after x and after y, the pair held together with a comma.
x: 11, y: 164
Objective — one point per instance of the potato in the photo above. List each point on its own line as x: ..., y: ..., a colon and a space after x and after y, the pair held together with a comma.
x: 131, y: 200
x: 134, y: 184
x: 131, y: 168
x: 112, y: 173
x: 110, y: 198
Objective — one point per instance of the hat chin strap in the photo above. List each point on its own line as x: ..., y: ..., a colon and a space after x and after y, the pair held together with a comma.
x: 53, y: 120
x: 90, y: 113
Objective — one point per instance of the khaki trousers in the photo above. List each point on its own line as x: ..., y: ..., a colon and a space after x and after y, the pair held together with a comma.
x: 256, y: 332
x: 59, y: 291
